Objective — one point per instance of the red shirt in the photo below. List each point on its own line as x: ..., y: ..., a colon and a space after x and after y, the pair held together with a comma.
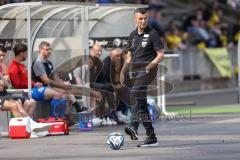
x: 18, y: 75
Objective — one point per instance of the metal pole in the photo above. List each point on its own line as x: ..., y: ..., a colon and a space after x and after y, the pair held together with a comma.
x: 85, y: 51
x: 161, y: 98
x: 238, y: 69
x: 159, y: 93
x: 29, y: 60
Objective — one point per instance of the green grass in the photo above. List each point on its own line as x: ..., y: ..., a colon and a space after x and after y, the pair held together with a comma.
x: 223, y: 109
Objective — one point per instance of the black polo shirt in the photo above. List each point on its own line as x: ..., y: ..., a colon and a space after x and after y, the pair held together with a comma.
x: 143, y: 46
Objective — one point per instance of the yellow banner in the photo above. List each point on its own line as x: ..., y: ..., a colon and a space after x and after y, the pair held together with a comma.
x: 219, y: 57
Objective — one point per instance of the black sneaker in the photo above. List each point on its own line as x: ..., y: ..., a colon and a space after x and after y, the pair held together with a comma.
x: 72, y: 119
x: 149, y: 142
x: 131, y: 132
x: 79, y: 108
x: 83, y: 109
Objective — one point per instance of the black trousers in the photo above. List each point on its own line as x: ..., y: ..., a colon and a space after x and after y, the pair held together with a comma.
x: 138, y: 100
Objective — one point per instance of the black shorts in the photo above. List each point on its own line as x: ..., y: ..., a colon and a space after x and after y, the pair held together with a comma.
x: 1, y: 101
x: 11, y: 97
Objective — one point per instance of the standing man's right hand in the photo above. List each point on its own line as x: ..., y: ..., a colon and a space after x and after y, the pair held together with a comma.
x: 125, y: 67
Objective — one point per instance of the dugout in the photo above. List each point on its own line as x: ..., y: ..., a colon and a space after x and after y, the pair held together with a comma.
x: 65, y: 25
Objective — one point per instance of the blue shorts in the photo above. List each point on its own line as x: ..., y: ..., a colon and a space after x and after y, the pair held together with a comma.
x: 38, y: 93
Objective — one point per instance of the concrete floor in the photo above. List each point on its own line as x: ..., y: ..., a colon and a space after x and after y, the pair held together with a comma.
x: 204, y: 137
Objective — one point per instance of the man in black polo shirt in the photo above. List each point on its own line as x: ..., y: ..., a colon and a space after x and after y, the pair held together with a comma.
x: 144, y: 52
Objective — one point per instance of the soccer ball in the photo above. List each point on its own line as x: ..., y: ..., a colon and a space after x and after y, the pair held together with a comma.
x: 115, y: 140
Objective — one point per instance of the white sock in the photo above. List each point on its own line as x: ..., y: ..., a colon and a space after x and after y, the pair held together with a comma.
x: 31, y: 120
x: 33, y: 124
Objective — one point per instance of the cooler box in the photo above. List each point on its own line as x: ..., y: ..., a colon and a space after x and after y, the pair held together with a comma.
x: 19, y: 128
x: 59, y: 126
x: 85, y: 122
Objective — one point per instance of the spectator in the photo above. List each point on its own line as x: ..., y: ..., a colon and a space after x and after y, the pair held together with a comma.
x: 198, y: 16
x: 196, y: 27
x: 155, y: 17
x: 174, y: 39
x: 215, y: 18
x: 223, y: 36
x: 236, y: 32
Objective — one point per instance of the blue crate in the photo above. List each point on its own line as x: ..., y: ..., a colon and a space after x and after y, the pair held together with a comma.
x: 85, y: 122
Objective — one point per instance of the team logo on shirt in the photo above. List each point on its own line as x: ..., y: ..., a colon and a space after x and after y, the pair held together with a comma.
x: 146, y: 35
x: 145, y: 39
x: 41, y: 89
x: 144, y: 44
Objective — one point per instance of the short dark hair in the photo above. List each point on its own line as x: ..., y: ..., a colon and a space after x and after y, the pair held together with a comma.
x: 3, y: 49
x: 141, y: 10
x: 19, y: 48
x: 44, y: 43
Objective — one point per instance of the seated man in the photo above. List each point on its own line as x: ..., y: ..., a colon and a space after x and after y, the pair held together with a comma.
x: 29, y: 104
x: 3, y: 67
x: 42, y: 71
x: 99, y: 77
x: 89, y: 70
x: 16, y: 105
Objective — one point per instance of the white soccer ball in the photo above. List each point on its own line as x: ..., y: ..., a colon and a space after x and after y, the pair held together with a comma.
x: 115, y: 140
